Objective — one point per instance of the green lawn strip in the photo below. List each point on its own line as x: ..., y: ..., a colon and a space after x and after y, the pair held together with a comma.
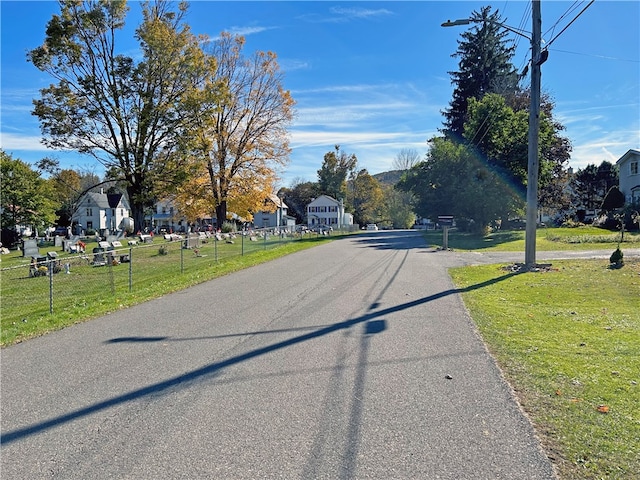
x: 547, y: 239
x: 90, y: 291
x: 568, y: 341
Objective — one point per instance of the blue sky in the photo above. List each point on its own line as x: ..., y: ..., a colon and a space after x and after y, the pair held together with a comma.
x: 372, y: 76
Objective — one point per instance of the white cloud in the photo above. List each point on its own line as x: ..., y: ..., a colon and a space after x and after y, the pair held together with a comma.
x: 343, y: 15
x: 356, y: 12
x: 243, y: 31
x: 11, y: 142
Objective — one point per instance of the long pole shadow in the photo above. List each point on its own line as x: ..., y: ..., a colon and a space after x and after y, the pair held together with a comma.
x: 12, y: 436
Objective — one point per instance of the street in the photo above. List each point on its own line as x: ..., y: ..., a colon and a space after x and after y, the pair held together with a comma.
x: 355, y: 359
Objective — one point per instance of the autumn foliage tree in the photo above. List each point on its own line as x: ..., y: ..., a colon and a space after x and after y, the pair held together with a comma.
x: 367, y: 199
x: 126, y: 113
x: 241, y: 113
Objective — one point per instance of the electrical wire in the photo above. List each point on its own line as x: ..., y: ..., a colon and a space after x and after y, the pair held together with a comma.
x: 569, y: 24
x: 605, y: 57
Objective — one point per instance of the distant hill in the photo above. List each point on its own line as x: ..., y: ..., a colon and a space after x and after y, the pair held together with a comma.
x: 389, y: 178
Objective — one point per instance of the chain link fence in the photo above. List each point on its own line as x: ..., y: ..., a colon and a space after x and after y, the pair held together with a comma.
x: 66, y: 283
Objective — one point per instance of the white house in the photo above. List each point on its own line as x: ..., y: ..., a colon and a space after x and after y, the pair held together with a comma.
x: 326, y: 210
x: 166, y: 215
x: 277, y: 218
x: 102, y: 212
x: 629, y: 174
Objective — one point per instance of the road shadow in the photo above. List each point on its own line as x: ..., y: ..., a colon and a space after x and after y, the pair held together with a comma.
x: 373, y: 318
x: 391, y: 240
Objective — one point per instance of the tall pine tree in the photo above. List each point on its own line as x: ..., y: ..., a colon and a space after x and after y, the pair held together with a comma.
x: 484, y: 67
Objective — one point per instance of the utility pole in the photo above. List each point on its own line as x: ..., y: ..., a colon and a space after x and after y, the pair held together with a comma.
x: 533, y: 163
x: 534, y: 126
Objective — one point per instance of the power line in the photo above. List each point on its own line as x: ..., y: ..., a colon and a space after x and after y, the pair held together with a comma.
x: 569, y: 24
x: 605, y: 57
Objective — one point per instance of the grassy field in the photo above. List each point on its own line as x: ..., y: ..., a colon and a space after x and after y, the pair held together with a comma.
x: 566, y: 338
x: 568, y: 341
x: 547, y: 239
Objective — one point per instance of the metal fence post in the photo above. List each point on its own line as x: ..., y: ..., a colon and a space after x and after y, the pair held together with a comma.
x: 111, y: 278
x: 51, y: 265
x: 182, y: 247
x: 242, y: 235
x: 130, y: 269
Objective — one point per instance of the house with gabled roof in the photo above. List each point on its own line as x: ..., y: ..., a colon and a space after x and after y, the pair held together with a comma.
x: 629, y: 176
x: 326, y: 210
x: 102, y: 212
x: 275, y: 215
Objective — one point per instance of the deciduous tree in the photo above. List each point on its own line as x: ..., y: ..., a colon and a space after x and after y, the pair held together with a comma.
x: 126, y: 113
x: 298, y: 196
x: 366, y: 199
x: 242, y: 113
x: 589, y: 185
x: 454, y: 180
x: 336, y: 167
x: 25, y: 197
x: 405, y: 159
x: 398, y: 208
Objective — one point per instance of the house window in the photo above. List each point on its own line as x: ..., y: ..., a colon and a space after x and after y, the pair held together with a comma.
x: 89, y: 225
x: 89, y: 212
x: 634, y: 168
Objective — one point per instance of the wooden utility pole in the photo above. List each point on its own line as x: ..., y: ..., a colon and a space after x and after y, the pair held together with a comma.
x: 534, y: 126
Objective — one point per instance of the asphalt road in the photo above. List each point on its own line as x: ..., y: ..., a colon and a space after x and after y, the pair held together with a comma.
x: 353, y: 360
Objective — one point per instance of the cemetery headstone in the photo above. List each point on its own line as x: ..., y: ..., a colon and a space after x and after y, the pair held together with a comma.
x: 30, y: 248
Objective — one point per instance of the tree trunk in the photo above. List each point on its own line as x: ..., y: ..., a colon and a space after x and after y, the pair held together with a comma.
x: 137, y: 208
x: 221, y: 213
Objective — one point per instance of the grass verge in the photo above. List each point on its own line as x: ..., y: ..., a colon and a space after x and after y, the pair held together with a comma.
x: 91, y: 292
x: 547, y: 239
x: 568, y: 341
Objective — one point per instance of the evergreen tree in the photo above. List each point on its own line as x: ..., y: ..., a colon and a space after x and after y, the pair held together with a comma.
x: 590, y: 185
x: 484, y: 67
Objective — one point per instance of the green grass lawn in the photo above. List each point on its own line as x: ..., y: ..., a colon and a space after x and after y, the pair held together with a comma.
x: 568, y: 341
x: 547, y: 239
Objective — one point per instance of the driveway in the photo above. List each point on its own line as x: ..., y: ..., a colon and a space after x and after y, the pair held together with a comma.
x: 352, y: 360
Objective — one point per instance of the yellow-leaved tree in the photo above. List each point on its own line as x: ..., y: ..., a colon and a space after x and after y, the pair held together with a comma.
x: 239, y: 137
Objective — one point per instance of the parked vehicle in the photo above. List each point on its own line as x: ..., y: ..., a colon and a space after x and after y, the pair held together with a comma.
x: 60, y: 231
x: 372, y: 226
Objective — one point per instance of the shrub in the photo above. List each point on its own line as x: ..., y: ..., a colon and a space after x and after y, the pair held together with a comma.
x: 617, y: 258
x: 228, y: 227
x: 10, y: 238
